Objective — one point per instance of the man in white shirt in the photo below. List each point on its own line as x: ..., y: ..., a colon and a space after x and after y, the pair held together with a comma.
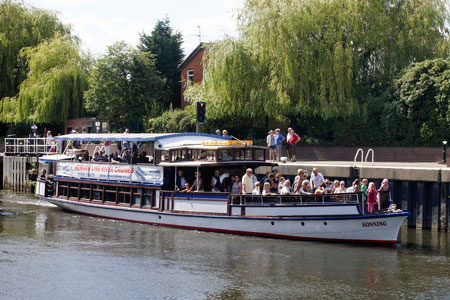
x: 247, y: 182
x: 316, y: 179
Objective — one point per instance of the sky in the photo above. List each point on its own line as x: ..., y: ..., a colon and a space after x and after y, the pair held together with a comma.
x: 99, y: 23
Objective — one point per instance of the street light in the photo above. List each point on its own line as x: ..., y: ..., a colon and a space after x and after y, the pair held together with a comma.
x: 444, y: 152
x: 34, y: 128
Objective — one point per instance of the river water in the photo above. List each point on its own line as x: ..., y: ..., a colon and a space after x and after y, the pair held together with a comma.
x: 46, y: 253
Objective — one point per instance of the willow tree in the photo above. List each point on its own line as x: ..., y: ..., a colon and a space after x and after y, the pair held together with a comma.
x: 323, y: 58
x: 21, y: 26
x: 53, y: 90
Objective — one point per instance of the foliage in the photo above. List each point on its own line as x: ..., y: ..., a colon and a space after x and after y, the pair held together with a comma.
x: 21, y: 27
x: 124, y: 85
x: 166, y: 46
x: 173, y: 120
x: 319, y: 59
x: 53, y: 89
x: 422, y: 101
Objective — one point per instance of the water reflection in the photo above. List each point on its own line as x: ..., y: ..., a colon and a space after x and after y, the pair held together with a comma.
x: 83, y: 257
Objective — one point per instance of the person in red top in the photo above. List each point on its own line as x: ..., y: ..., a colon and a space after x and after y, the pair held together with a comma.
x: 293, y: 140
x: 371, y: 197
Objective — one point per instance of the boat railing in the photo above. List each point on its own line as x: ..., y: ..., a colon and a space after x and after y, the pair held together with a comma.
x: 26, y: 146
x: 296, y: 199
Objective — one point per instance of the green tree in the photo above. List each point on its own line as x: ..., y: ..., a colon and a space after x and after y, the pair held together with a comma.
x: 21, y: 27
x: 166, y: 46
x: 53, y: 89
x: 318, y: 58
x: 173, y: 120
x: 422, y: 102
x: 125, y: 87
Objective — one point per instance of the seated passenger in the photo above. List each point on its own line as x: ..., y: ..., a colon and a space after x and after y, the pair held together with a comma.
x: 356, y: 186
x: 273, y: 183
x: 321, y: 189
x: 266, y: 190
x: 286, y: 189
x: 101, y: 157
x: 115, y: 158
x: 306, y: 188
x: 143, y: 159
x: 341, y: 188
x: 282, y: 181
x: 186, y: 188
x: 126, y: 156
x: 95, y: 158
x: 335, y: 186
x: 257, y: 189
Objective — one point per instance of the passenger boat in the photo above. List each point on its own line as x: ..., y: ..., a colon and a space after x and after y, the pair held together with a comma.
x: 145, y: 193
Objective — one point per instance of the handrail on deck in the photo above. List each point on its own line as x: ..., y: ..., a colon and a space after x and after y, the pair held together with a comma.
x: 27, y: 146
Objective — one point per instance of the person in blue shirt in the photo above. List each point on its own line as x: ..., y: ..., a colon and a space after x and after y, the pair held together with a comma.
x: 280, y: 139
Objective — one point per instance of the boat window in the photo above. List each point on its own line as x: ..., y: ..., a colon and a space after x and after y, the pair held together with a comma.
x: 85, y: 191
x: 187, y: 155
x: 147, y: 198
x: 124, y: 195
x: 164, y: 155
x: 110, y: 193
x: 211, y: 155
x: 177, y: 155
x: 137, y: 196
x: 225, y: 154
x: 243, y: 154
x: 73, y: 190
x: 97, y: 192
x: 259, y: 154
x: 62, y: 189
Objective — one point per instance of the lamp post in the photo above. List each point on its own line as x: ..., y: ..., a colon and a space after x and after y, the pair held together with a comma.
x: 34, y: 128
x: 444, y: 152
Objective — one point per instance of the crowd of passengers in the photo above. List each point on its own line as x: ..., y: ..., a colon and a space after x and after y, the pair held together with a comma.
x: 274, y: 183
x: 127, y: 156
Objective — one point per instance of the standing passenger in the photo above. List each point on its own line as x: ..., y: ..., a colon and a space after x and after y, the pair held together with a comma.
x: 198, y: 183
x: 215, y: 182
x: 293, y: 140
x: 372, y: 197
x: 272, y: 144
x: 280, y: 139
x: 247, y: 182
x: 316, y: 179
x: 180, y: 181
x: 237, y: 186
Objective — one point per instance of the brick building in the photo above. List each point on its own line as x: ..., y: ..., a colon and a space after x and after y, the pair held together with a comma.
x: 191, y: 70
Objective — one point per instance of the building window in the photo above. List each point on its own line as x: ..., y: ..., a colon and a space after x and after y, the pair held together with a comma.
x: 190, y: 77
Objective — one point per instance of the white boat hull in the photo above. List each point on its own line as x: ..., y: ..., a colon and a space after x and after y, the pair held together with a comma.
x: 382, y: 228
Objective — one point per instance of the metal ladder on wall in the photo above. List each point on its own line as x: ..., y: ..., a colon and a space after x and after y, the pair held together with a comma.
x: 364, y: 160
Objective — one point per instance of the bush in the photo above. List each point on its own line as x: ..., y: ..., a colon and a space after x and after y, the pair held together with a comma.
x: 173, y: 120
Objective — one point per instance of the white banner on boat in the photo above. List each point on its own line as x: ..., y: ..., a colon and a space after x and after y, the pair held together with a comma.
x: 133, y: 173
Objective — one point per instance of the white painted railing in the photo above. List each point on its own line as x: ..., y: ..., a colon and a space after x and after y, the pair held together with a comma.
x: 26, y: 146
